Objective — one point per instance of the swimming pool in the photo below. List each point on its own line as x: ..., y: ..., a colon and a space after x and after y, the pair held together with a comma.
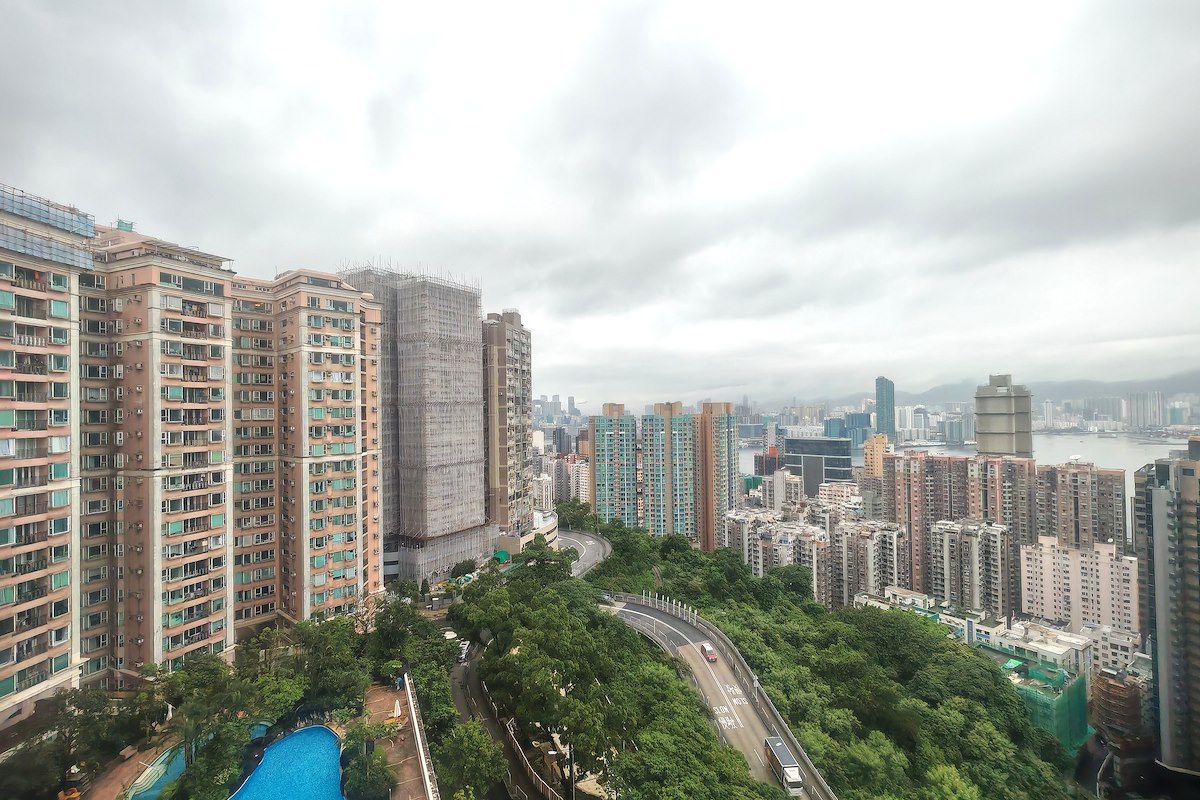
x: 300, y: 766
x: 166, y: 768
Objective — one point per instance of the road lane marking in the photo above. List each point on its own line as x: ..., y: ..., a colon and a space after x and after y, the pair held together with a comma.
x: 719, y: 684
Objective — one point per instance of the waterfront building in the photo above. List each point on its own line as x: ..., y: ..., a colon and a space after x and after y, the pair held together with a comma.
x: 1004, y: 418
x: 885, y: 407
x: 817, y: 460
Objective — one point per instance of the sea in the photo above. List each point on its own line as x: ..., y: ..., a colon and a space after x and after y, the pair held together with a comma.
x: 1127, y: 452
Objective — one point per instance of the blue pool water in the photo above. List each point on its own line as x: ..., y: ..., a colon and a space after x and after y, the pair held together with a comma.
x: 300, y: 766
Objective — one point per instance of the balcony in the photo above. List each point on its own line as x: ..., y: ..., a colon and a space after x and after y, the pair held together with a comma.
x: 31, y: 648
x: 35, y: 565
x: 32, y: 395
x: 28, y: 506
x: 29, y: 341
x: 27, y: 620
x: 31, y: 537
x: 32, y: 679
x: 31, y: 365
x: 31, y: 593
x: 32, y: 285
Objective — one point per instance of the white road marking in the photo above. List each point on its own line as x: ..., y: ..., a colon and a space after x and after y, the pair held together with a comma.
x: 720, y: 686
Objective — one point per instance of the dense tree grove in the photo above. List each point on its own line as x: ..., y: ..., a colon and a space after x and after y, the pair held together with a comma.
x: 565, y: 667
x: 884, y: 703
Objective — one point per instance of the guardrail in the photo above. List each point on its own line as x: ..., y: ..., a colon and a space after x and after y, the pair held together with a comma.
x: 418, y: 727
x: 543, y: 788
x: 742, y: 672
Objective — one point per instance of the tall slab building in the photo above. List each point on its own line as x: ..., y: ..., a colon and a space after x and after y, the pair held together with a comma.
x: 508, y: 422
x: 885, y: 408
x: 431, y: 422
x: 186, y: 454
x: 1004, y: 418
x: 1166, y: 532
x: 614, y: 475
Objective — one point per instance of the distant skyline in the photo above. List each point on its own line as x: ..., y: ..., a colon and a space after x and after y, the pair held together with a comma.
x: 763, y: 200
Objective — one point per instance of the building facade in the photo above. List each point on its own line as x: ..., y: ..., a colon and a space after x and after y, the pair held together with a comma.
x: 970, y: 562
x: 1080, y: 504
x: 669, y: 471
x: 190, y: 454
x: 1079, y: 587
x: 1004, y: 418
x: 885, y: 407
x: 920, y: 489
x: 1166, y: 505
x: 508, y: 422
x: 614, y: 476
x: 818, y: 460
x: 431, y: 422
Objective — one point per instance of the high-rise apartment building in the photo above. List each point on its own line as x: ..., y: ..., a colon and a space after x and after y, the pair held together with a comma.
x: 970, y: 563
x: 1145, y: 411
x: 885, y: 407
x: 508, y: 422
x: 920, y: 489
x: 1096, y: 585
x: 431, y: 422
x: 669, y: 464
x: 717, y: 474
x: 614, y: 488
x: 1004, y: 418
x: 867, y: 556
x: 874, y: 449
x: 1080, y: 504
x: 1003, y: 489
x: 207, y: 464
x: 44, y: 248
x: 818, y: 460
x: 1166, y: 533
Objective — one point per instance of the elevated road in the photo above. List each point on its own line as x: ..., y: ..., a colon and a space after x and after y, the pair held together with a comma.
x: 738, y: 722
x: 743, y: 714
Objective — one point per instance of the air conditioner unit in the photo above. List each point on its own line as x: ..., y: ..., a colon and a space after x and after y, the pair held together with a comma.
x: 137, y: 595
x: 139, y: 412
x: 141, y: 618
x: 137, y: 298
x: 138, y: 343
x: 137, y: 526
x: 138, y: 571
x: 138, y: 664
x: 140, y: 457
x: 138, y: 388
x: 139, y: 480
x: 137, y: 320
x: 139, y: 640
x: 137, y: 548
x: 138, y: 365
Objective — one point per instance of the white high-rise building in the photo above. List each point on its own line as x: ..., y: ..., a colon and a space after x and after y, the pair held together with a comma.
x: 1079, y: 586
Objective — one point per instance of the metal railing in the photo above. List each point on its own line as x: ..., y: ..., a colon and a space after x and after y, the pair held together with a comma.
x: 414, y: 712
x: 742, y: 672
x: 544, y: 789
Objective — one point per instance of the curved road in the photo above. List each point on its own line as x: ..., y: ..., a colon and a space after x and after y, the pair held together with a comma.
x: 737, y: 720
x: 592, y: 549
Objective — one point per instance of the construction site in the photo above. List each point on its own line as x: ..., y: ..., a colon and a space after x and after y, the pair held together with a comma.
x: 431, y: 420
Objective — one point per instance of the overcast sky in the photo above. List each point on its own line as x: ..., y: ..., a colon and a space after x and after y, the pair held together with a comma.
x: 682, y: 200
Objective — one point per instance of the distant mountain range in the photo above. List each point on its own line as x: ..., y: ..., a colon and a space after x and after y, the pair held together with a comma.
x: 964, y: 391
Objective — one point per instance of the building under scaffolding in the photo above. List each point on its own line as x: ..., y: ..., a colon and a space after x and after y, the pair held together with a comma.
x: 431, y: 419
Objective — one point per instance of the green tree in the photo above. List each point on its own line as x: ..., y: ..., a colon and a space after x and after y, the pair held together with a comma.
x: 462, y: 568
x: 469, y: 760
x: 368, y: 777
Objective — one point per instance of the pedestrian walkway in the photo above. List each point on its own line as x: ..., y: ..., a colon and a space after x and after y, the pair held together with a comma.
x: 468, y: 699
x: 385, y: 704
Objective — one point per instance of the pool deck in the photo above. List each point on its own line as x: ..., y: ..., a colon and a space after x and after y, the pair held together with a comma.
x: 401, y: 749
x: 120, y: 774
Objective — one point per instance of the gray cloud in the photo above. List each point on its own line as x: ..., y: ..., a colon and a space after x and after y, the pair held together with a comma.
x: 679, y: 212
